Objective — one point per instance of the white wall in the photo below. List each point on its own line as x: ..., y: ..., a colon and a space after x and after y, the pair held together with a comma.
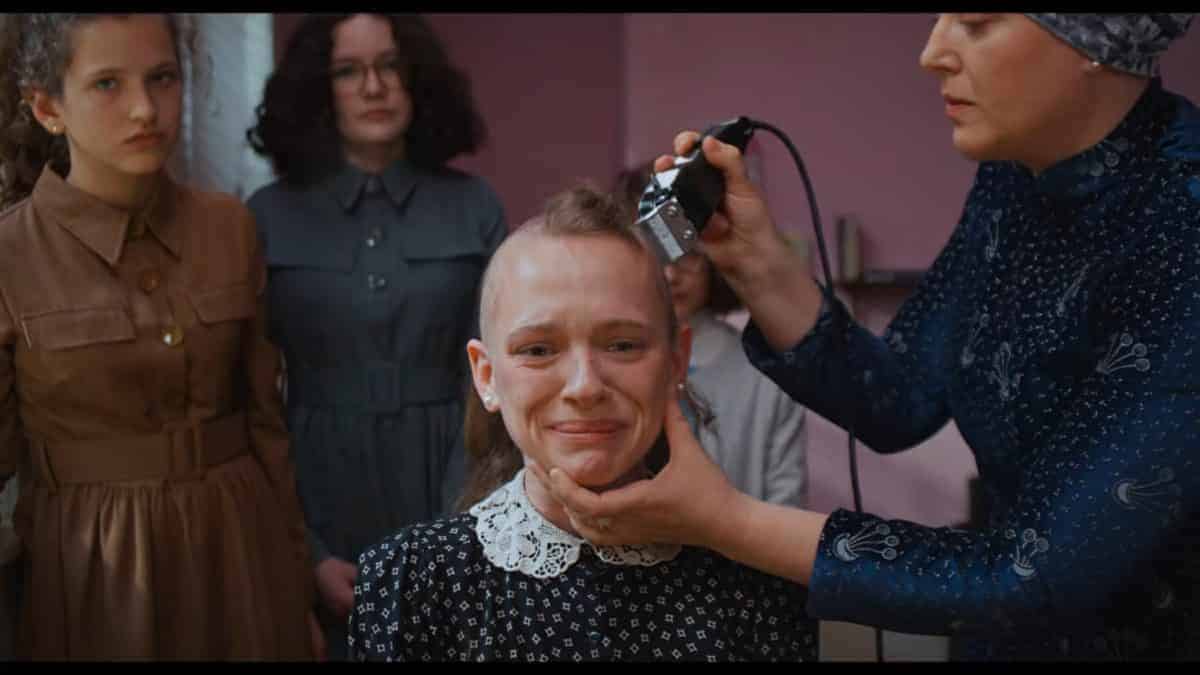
x: 235, y: 57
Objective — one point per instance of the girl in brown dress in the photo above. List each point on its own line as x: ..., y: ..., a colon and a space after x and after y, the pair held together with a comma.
x: 158, y: 515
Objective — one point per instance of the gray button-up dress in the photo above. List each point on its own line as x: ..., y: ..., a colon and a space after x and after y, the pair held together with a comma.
x: 372, y: 291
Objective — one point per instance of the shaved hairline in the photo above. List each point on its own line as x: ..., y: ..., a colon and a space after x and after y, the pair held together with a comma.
x: 536, y: 227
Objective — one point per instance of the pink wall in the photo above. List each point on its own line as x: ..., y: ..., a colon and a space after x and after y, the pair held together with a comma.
x: 1181, y: 67
x: 550, y: 87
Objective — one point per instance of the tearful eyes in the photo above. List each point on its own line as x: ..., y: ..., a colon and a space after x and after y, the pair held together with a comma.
x: 535, y: 351
x: 541, y: 350
x: 624, y: 346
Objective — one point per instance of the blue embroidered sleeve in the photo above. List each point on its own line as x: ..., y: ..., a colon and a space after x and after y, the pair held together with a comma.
x: 1101, y: 507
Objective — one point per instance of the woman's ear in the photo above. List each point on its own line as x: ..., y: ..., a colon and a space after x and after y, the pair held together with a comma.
x: 481, y: 374
x: 45, y: 109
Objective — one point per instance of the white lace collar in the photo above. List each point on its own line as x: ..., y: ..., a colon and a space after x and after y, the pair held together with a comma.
x: 516, y: 538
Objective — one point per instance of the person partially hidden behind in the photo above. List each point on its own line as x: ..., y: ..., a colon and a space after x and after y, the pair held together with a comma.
x: 580, y: 357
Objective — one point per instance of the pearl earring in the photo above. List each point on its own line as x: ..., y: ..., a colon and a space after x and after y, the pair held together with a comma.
x: 488, y: 399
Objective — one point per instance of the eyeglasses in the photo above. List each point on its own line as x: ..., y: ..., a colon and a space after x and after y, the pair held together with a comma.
x: 351, y: 76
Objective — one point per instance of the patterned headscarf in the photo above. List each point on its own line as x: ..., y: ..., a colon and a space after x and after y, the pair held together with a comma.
x: 1128, y: 42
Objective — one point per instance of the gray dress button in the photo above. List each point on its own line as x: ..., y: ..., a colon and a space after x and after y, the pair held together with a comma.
x: 374, y: 236
x: 376, y: 282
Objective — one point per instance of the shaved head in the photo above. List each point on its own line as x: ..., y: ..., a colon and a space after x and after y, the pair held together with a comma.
x: 576, y: 328
x: 581, y: 212
x: 493, y: 275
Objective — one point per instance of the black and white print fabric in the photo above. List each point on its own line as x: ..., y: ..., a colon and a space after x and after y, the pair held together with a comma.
x: 501, y: 583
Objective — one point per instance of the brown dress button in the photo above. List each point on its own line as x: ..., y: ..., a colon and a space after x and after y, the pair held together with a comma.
x: 149, y: 281
x: 172, y: 336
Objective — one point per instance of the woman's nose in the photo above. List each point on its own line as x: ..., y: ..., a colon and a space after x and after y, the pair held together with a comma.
x: 937, y: 56
x: 143, y: 108
x: 584, y: 385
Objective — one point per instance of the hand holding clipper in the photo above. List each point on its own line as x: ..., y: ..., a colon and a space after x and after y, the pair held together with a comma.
x: 678, y: 202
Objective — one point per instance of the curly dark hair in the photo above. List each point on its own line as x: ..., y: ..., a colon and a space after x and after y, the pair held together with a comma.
x: 628, y: 187
x: 296, y: 129
x: 35, y: 50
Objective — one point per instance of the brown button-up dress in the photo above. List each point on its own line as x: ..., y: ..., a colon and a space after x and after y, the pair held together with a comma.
x: 137, y: 392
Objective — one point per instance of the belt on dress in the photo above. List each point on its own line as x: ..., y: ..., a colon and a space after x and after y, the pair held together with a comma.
x: 179, y: 454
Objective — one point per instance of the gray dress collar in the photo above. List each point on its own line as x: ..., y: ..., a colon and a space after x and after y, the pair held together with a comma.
x: 397, y: 181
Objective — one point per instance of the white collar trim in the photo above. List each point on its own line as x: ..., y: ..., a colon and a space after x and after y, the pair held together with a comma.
x: 516, y: 538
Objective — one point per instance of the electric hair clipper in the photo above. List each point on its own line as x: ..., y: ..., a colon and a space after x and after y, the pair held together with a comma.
x: 677, y: 203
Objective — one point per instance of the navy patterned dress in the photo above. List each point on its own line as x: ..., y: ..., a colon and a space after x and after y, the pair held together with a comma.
x: 502, y: 583
x: 1060, y: 330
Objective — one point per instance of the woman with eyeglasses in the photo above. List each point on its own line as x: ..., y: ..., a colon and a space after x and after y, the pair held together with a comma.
x: 374, y: 249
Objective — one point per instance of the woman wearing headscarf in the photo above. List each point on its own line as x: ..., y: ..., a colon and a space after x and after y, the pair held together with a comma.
x: 1059, y: 329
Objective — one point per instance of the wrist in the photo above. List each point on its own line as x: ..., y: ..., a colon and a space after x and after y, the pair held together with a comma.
x: 732, y: 518
x: 782, y: 298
